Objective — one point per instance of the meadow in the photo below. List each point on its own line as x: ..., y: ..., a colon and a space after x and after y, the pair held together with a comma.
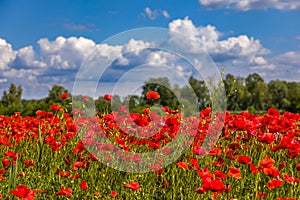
x: 46, y: 156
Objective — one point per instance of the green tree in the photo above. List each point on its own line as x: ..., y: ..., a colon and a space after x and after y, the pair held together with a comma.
x: 257, y: 91
x: 11, y: 100
x: 188, y: 99
x: 164, y: 88
x: 252, y: 80
x: 201, y: 91
x: 55, y: 92
x: 261, y: 95
x: 116, y: 103
x: 236, y: 93
x: 31, y: 106
x: 293, y: 96
x: 230, y: 84
x: 54, y: 97
x: 278, y: 92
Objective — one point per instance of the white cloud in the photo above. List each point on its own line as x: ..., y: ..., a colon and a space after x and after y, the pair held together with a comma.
x: 245, y: 5
x: 193, y: 39
x: 154, y: 14
x: 21, y: 73
x: 161, y: 57
x: 186, y: 36
x: 290, y: 58
x: 78, y: 27
x: 3, y: 80
x: 135, y: 46
x: 264, y: 67
x: 65, y: 53
x: 284, y: 66
x: 156, y: 58
x: 7, y: 54
x: 26, y: 57
x: 165, y: 14
x: 259, y: 61
x: 123, y: 61
x: 110, y: 52
x: 239, y: 46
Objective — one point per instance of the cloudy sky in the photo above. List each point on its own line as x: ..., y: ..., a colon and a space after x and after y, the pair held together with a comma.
x: 43, y: 43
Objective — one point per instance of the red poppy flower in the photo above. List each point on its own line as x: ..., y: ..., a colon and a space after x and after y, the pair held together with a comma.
x: 55, y: 107
x: 219, y: 174
x: 234, y: 172
x: 75, y: 176
x: 11, y: 154
x: 154, y: 145
x: 152, y: 95
x: 261, y: 195
x: 108, y: 97
x: 290, y: 179
x: 215, y: 152
x: 146, y: 111
x: 166, y: 109
x: 194, y: 163
x: 113, y: 194
x: 198, y: 150
x: 244, y: 160
x: 228, y: 189
x: 65, y: 191
x: 64, y: 96
x: 78, y: 164
x: 200, y: 190
x: 5, y: 162
x: 205, y: 113
x: 273, y: 112
x: 133, y: 185
x: 215, y: 186
x: 23, y: 192
x: 159, y: 171
x: 92, y: 157
x: 267, y: 162
x: 136, y: 158
x: 205, y: 174
x: 253, y: 168
x: 271, y: 171
x: 85, y: 98
x: 166, y: 183
x: 298, y: 167
x: 281, y: 164
x: 64, y: 174
x: 79, y: 147
x: 274, y: 184
x: 166, y: 151
x: 183, y: 165
x: 29, y: 162
x: 84, y: 185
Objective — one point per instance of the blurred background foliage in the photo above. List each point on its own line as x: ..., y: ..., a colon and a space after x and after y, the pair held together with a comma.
x: 251, y: 93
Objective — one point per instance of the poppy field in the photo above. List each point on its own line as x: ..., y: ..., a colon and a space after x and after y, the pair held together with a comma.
x: 256, y: 156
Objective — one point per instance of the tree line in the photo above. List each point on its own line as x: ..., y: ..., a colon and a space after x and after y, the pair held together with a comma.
x: 251, y: 93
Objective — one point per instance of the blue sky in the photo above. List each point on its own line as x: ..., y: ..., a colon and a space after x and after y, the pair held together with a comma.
x: 243, y: 36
